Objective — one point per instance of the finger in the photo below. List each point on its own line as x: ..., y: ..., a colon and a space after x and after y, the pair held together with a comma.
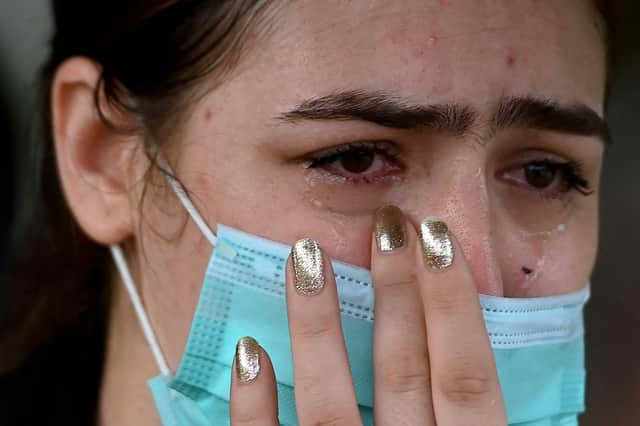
x: 465, y: 386
x: 402, y: 384
x: 324, y: 389
x: 254, y: 399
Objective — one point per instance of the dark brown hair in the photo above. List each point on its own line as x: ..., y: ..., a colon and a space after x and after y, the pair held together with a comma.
x: 154, y: 58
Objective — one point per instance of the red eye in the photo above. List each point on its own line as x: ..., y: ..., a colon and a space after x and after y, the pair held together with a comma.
x: 548, y: 178
x: 359, y: 164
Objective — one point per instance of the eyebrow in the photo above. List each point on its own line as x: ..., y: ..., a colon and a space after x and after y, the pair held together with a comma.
x: 385, y: 110
x: 450, y: 118
x: 546, y: 114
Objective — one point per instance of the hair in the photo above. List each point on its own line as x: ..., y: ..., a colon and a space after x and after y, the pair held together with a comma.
x: 155, y: 57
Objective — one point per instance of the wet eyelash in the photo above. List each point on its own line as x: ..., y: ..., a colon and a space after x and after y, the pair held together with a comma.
x: 333, y: 154
x: 573, y: 175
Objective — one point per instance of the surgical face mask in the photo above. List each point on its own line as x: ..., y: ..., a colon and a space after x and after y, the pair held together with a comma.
x: 537, y: 343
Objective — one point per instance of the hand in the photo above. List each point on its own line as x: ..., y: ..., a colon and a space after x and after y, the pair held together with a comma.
x: 432, y: 357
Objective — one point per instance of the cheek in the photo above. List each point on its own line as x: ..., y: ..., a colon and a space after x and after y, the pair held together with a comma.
x: 549, y: 263
x: 347, y: 241
x: 283, y: 211
x: 341, y: 237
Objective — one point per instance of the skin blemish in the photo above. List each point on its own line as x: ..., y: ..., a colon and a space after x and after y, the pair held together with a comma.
x: 208, y: 115
x: 510, y: 59
x: 431, y: 42
x: 526, y: 270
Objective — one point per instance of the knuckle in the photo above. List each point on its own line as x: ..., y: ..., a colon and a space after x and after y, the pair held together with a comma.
x: 329, y: 420
x: 467, y: 384
x: 315, y: 328
x: 445, y: 303
x: 327, y: 414
x: 391, y: 280
x: 406, y: 382
x: 247, y: 418
x: 322, y: 407
x: 405, y: 374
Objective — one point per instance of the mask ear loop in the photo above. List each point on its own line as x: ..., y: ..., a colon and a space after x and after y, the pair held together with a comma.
x: 147, y: 330
x: 186, y: 202
x: 125, y: 274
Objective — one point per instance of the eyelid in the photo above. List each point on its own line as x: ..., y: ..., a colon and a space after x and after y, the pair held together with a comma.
x: 383, y: 146
x: 572, y: 175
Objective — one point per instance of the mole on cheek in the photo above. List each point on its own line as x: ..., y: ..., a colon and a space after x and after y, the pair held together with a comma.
x: 510, y: 59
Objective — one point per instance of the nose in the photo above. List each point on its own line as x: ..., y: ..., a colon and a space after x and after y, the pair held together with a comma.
x: 460, y: 197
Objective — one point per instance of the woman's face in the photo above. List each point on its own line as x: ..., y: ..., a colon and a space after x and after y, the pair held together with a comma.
x: 473, y: 111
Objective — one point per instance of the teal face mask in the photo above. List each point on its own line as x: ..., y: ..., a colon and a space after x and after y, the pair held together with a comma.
x: 537, y: 343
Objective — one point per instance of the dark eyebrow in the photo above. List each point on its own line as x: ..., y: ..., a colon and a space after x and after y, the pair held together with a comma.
x: 452, y: 118
x: 546, y: 114
x: 385, y: 110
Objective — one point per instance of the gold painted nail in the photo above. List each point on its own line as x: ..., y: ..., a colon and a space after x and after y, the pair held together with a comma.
x: 389, y: 229
x: 436, y: 243
x: 247, y: 359
x: 308, y: 267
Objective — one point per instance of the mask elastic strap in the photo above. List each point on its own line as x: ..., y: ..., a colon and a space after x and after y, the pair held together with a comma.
x: 186, y: 202
x: 125, y: 274
x: 149, y: 335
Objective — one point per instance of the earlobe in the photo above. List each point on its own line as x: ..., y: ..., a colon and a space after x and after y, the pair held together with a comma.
x: 94, y: 160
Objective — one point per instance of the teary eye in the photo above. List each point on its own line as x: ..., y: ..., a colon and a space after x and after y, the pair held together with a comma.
x: 358, y: 162
x: 548, y: 177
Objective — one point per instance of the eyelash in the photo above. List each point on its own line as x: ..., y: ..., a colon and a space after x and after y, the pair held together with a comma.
x: 572, y: 171
x: 332, y: 154
x: 384, y: 148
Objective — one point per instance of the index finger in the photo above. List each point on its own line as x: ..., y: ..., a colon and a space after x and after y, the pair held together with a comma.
x: 324, y: 389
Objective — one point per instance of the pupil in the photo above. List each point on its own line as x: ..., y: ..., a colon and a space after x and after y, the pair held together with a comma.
x: 357, y: 161
x: 539, y: 175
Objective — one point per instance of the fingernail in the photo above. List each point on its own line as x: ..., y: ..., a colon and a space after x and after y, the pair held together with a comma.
x: 436, y: 243
x: 308, y: 267
x: 389, y: 228
x: 247, y: 359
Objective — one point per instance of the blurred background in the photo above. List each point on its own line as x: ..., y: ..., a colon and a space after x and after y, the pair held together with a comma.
x: 613, y: 315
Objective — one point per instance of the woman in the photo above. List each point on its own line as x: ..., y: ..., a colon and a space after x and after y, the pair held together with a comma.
x: 452, y: 148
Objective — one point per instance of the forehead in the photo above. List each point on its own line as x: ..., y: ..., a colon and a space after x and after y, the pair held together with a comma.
x: 434, y: 50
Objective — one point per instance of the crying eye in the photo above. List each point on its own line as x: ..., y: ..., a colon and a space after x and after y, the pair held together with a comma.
x: 540, y: 175
x: 548, y: 178
x: 358, y: 163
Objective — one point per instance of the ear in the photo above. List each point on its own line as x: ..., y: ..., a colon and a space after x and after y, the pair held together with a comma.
x: 94, y: 160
